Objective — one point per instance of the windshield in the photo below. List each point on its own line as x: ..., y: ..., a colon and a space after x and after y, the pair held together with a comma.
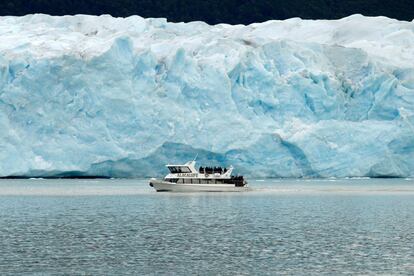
x: 179, y: 169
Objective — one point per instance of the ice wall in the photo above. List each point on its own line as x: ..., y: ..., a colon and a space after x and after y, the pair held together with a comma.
x: 120, y: 97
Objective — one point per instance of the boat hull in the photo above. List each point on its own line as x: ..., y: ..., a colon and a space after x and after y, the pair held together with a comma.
x: 164, y: 186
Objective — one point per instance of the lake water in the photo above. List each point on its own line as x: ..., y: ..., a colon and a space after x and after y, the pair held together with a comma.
x: 283, y: 227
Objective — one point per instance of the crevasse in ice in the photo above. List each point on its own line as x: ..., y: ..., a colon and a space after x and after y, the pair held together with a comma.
x: 121, y: 97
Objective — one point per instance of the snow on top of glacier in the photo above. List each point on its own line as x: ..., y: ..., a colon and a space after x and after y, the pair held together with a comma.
x: 84, y: 36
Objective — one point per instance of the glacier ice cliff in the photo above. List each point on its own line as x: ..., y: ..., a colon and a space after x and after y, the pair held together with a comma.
x: 120, y: 97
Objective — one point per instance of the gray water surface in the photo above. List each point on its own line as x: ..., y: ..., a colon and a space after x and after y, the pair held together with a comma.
x: 295, y: 227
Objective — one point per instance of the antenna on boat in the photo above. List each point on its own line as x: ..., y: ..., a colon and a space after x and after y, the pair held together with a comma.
x: 195, y: 157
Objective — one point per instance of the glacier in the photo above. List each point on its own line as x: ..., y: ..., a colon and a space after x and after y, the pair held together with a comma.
x: 121, y: 97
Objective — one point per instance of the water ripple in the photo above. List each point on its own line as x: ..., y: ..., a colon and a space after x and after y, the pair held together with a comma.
x: 282, y: 227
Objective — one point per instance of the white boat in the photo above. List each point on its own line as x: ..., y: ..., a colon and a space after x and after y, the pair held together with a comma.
x: 186, y: 178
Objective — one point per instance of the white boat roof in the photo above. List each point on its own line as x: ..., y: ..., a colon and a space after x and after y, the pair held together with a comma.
x: 189, y: 163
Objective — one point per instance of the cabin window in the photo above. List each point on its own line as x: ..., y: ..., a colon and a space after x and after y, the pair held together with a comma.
x: 179, y: 169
